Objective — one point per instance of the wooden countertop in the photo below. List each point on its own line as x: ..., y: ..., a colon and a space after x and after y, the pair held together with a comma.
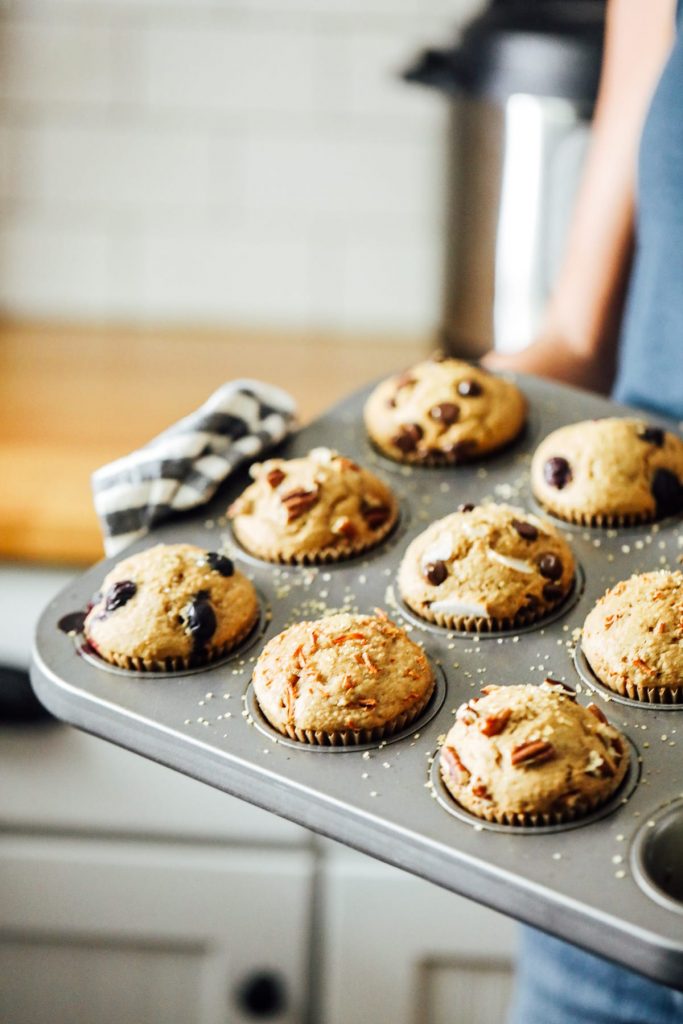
x: 72, y: 399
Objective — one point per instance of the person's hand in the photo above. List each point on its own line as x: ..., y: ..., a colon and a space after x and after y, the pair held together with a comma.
x: 557, y: 359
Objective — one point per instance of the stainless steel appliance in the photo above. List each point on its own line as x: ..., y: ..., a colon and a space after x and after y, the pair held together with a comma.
x: 522, y: 83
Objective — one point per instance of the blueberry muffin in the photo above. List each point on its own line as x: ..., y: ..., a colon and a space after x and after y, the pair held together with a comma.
x: 531, y: 755
x: 444, y: 411
x: 319, y: 508
x: 610, y: 472
x: 171, y: 607
x: 486, y: 567
x: 345, y: 679
x: 633, y: 638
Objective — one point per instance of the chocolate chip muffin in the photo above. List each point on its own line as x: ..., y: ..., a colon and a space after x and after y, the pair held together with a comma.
x: 342, y: 680
x: 610, y: 472
x: 444, y: 411
x: 633, y: 637
x: 171, y: 607
x: 319, y: 508
x: 530, y: 755
x: 486, y: 567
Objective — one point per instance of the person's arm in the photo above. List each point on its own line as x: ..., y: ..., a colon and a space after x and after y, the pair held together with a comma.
x: 577, y: 341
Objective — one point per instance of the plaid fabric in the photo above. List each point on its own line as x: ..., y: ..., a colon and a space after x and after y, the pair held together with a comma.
x: 183, y: 467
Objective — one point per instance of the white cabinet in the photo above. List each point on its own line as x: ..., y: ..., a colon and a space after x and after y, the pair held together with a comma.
x: 402, y: 950
x: 151, y: 933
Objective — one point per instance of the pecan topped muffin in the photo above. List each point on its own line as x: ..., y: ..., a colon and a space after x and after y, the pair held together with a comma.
x: 444, y: 411
x: 486, y: 567
x: 609, y: 472
x: 171, y: 607
x: 633, y: 637
x: 319, y: 508
x: 531, y: 755
x: 343, y: 679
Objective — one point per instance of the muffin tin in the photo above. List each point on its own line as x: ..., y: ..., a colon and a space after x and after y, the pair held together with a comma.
x: 611, y: 883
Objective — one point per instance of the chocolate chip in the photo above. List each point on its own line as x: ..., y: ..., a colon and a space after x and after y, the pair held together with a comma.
x: 436, y: 573
x: 461, y: 450
x: 527, y: 531
x: 469, y: 388
x: 667, y: 492
x: 408, y: 437
x: 552, y: 593
x: 200, y: 620
x: 220, y: 563
x: 653, y: 435
x: 119, y: 594
x: 445, y: 412
x: 557, y: 472
x: 550, y: 566
x: 466, y: 508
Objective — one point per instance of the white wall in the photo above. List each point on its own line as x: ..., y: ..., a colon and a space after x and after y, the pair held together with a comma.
x: 221, y: 161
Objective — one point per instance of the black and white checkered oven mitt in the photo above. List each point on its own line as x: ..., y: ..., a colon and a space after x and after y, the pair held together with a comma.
x: 183, y: 467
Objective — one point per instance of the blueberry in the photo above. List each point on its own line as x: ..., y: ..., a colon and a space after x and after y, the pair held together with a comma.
x: 119, y: 594
x: 667, y: 492
x: 220, y: 563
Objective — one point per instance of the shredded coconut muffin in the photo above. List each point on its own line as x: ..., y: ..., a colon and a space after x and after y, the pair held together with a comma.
x: 530, y: 755
x: 444, y: 411
x: 633, y: 637
x: 319, y: 508
x: 341, y: 680
x: 486, y: 567
x: 171, y: 607
x: 610, y: 472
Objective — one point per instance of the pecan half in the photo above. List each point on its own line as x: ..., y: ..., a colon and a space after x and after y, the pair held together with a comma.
x: 343, y: 527
x: 536, y: 751
x: 375, y: 515
x: 494, y: 724
x: 454, y: 766
x: 275, y: 477
x: 597, y: 713
x: 298, y: 501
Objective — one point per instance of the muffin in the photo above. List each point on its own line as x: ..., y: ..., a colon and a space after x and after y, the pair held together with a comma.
x: 319, y: 508
x: 611, y: 472
x: 171, y: 607
x: 444, y: 411
x: 486, y: 567
x: 633, y: 638
x: 530, y: 755
x: 342, y: 680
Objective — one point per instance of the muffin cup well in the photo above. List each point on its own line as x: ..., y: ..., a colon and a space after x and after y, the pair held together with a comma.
x: 175, y: 664
x: 489, y: 624
x: 534, y: 820
x: 353, y: 737
x: 326, y: 556
x: 604, y: 521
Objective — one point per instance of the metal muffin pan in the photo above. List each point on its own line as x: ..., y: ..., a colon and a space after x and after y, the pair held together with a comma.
x: 583, y: 884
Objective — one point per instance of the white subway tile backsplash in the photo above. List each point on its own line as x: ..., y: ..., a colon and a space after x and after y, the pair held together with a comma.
x: 225, y: 274
x: 52, y: 269
x: 229, y: 68
x: 343, y: 177
x: 52, y: 64
x: 115, y: 168
x: 390, y: 284
x: 222, y: 161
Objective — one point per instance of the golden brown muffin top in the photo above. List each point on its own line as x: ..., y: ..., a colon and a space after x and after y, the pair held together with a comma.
x: 172, y: 601
x: 530, y: 750
x: 314, y: 508
x: 444, y: 410
x: 344, y: 672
